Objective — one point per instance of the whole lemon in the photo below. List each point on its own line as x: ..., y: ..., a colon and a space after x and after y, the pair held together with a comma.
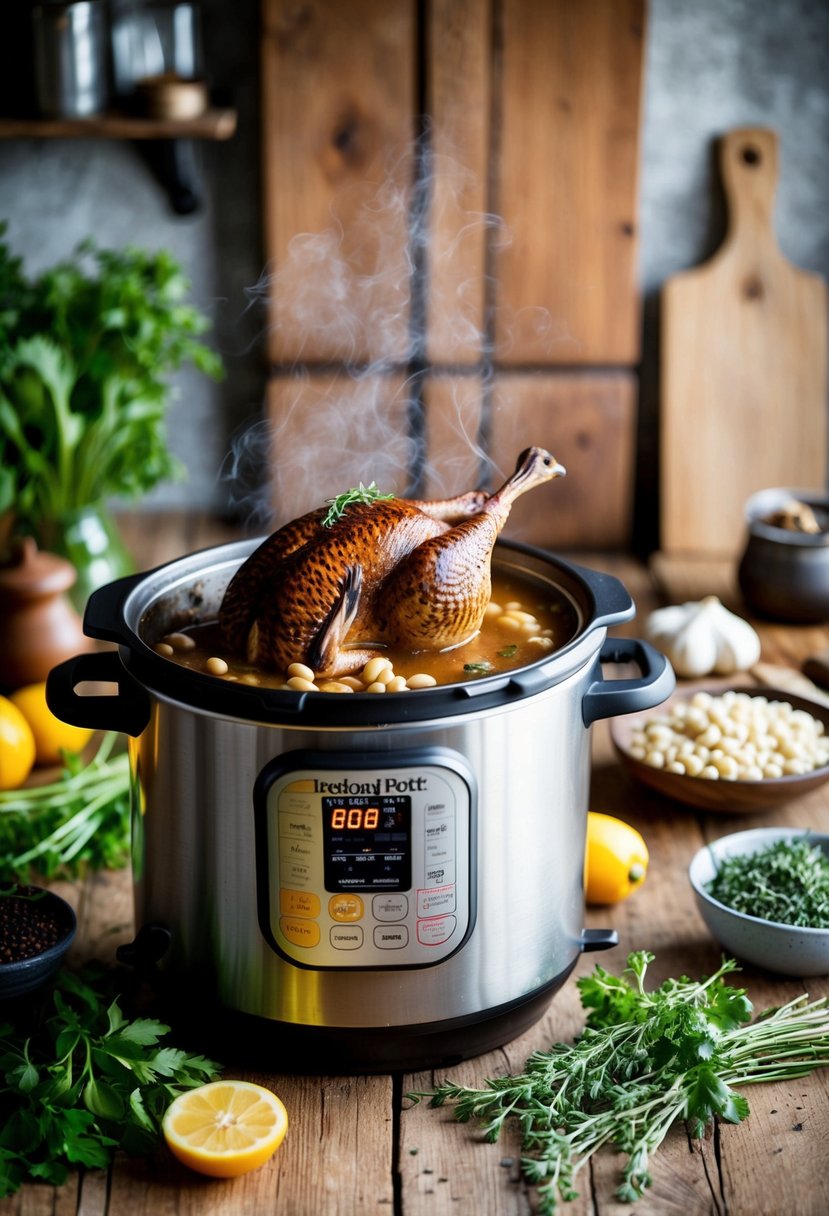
x: 616, y: 860
x: 50, y: 734
x: 17, y: 746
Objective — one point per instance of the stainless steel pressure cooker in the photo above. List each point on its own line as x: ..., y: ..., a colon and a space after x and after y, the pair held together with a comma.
x: 363, y: 882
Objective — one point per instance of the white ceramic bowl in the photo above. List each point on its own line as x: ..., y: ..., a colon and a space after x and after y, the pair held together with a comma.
x: 783, y: 949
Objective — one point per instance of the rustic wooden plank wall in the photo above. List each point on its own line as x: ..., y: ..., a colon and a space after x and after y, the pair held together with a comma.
x: 450, y: 200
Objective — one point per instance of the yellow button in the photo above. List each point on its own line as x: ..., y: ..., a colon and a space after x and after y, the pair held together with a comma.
x: 345, y: 907
x: 298, y: 903
x: 300, y: 932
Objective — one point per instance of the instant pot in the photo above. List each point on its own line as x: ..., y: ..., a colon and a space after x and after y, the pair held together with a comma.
x: 362, y: 882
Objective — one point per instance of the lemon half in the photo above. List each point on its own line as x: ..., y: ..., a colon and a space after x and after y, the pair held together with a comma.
x: 225, y: 1128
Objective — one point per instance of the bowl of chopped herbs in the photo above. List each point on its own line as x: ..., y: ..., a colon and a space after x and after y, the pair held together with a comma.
x: 36, y: 930
x: 764, y: 895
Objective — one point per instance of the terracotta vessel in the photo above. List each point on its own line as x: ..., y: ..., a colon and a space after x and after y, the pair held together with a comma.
x: 38, y: 625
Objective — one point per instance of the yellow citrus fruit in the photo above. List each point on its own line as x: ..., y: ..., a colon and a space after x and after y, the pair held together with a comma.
x: 49, y: 732
x: 225, y: 1128
x: 17, y: 746
x: 616, y: 860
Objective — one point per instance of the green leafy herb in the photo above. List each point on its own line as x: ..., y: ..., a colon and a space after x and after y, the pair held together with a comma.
x: 478, y: 669
x: 507, y: 651
x: 358, y: 494
x: 80, y: 820
x: 644, y: 1061
x: 86, y: 350
x: 85, y: 1084
x: 787, y: 881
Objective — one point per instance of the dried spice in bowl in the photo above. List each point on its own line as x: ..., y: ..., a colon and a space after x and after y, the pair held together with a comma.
x: 36, y: 930
x: 29, y: 922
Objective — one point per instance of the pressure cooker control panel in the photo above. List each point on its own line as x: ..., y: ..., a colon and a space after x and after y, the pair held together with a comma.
x: 365, y: 866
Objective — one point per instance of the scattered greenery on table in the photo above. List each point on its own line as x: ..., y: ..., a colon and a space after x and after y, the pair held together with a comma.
x: 79, y: 821
x: 85, y: 1082
x: 644, y: 1061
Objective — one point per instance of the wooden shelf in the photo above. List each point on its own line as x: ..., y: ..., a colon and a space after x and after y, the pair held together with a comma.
x: 214, y: 123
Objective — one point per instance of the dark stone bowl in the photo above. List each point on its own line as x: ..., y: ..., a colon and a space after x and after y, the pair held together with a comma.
x: 784, y: 575
x: 25, y: 975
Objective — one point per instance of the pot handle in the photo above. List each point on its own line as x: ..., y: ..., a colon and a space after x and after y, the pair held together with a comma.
x: 104, y: 612
x: 128, y: 711
x: 607, y: 698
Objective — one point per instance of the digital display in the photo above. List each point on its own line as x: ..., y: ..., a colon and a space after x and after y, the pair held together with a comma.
x: 367, y: 842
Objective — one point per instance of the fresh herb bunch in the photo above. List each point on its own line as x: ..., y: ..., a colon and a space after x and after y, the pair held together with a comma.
x: 85, y: 1084
x: 86, y: 349
x: 787, y: 882
x: 644, y: 1060
x: 357, y: 494
x: 81, y: 820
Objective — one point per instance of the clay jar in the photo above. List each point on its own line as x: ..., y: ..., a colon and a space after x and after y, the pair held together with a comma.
x: 38, y: 626
x: 784, y: 575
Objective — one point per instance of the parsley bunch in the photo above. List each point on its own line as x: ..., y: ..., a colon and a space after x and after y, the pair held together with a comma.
x: 85, y: 1084
x: 643, y: 1061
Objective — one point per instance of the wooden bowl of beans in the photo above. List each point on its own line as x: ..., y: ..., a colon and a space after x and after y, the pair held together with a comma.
x: 728, y: 749
x: 36, y: 930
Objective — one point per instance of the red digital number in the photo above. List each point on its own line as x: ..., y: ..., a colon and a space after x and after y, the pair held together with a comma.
x: 338, y: 817
x: 372, y: 817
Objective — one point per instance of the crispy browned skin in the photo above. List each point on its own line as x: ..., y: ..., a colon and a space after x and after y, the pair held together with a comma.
x: 391, y: 572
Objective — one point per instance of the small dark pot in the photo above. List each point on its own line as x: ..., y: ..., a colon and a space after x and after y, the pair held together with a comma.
x: 23, y: 975
x: 782, y: 574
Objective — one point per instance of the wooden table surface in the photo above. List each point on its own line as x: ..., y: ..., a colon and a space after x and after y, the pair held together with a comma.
x: 355, y: 1145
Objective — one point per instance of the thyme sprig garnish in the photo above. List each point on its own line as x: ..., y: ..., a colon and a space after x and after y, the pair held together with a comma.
x: 643, y: 1061
x: 357, y: 494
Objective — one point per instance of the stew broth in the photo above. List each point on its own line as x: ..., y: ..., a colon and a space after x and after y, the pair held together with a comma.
x: 523, y: 623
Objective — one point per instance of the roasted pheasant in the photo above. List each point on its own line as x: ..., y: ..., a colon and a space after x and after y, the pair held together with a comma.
x: 388, y: 572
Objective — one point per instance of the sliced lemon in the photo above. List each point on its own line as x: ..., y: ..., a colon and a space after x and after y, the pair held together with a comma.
x: 225, y: 1128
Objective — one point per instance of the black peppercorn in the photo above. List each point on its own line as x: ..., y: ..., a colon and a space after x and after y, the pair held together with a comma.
x: 29, y: 923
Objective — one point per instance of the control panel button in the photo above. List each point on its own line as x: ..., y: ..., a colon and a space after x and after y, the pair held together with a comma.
x: 299, y: 903
x: 436, y: 901
x: 298, y: 932
x: 346, y: 907
x: 390, y: 907
x: 346, y: 937
x: 435, y: 931
x: 391, y: 937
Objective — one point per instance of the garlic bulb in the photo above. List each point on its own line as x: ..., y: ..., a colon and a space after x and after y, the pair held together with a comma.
x: 704, y: 637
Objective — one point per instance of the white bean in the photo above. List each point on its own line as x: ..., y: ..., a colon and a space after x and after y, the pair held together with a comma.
x: 298, y: 684
x: 734, y: 736
x: 373, y: 668
x: 216, y: 666
x: 421, y: 680
x: 180, y: 641
x: 301, y: 672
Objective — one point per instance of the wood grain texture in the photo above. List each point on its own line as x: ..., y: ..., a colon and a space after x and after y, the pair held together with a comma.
x: 567, y: 172
x: 743, y: 366
x: 459, y: 81
x: 330, y: 432
x: 587, y: 420
x: 337, y: 125
x: 454, y: 459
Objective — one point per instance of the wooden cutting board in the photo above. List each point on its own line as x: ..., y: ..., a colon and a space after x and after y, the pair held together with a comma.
x: 743, y: 368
